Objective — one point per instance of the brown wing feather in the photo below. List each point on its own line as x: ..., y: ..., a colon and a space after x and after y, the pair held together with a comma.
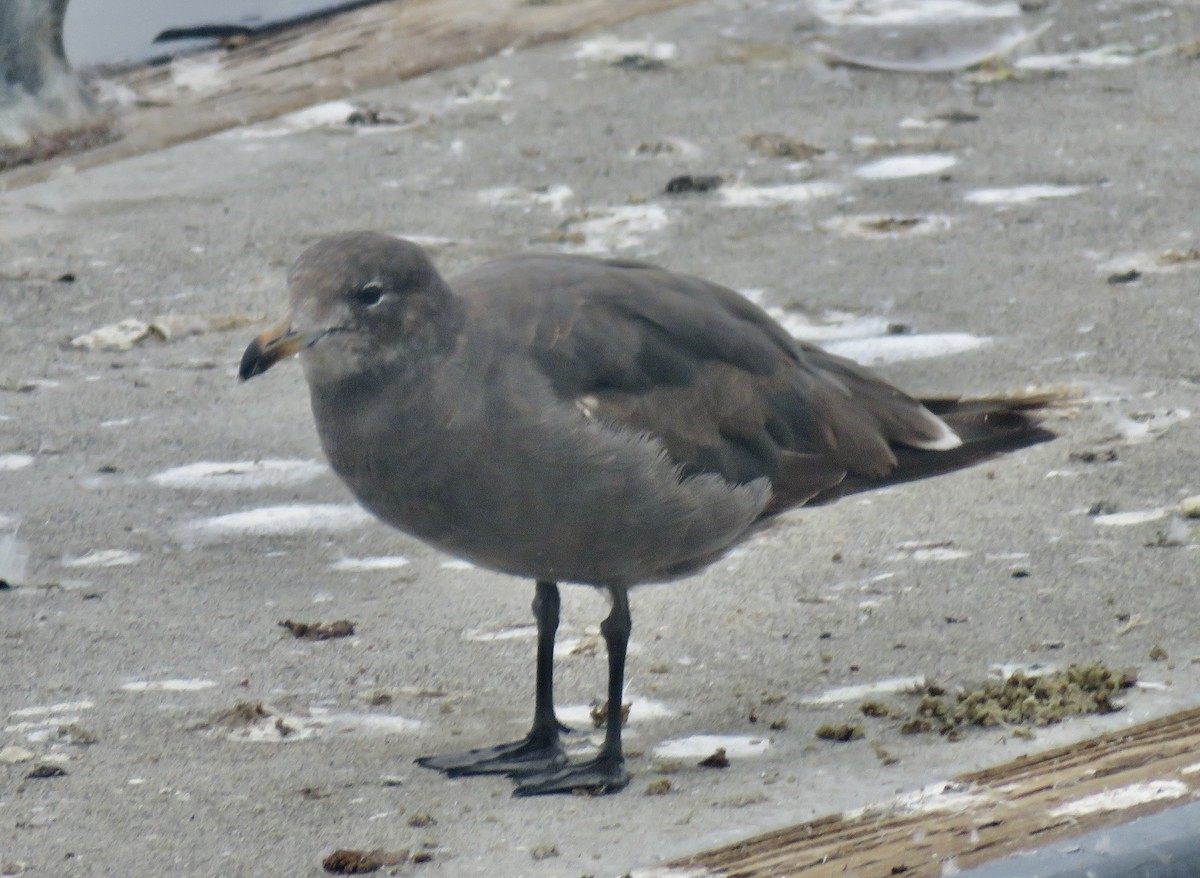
x: 720, y: 383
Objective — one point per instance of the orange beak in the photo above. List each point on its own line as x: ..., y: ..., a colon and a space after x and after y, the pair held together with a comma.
x: 275, y: 343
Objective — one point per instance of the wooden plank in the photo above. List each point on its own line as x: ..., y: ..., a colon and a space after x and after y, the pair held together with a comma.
x: 318, y: 61
x: 1027, y: 803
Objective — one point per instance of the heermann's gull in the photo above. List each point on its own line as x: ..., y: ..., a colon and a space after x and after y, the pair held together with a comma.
x: 603, y: 422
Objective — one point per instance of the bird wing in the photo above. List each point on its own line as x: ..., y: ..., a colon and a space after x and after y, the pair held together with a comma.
x: 723, y: 387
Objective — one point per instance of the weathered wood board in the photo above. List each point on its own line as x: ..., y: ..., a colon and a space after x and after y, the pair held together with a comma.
x: 982, y: 816
x: 364, y: 48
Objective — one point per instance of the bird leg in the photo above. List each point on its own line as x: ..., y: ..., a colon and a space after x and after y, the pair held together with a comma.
x: 606, y: 772
x: 540, y: 750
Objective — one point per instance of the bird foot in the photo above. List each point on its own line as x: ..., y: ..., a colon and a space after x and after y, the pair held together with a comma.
x: 535, y: 753
x: 604, y: 774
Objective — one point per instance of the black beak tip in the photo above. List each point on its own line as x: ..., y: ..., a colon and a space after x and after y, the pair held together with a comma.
x: 253, y: 362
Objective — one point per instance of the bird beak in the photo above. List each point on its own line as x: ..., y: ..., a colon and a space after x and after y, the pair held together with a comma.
x: 275, y: 343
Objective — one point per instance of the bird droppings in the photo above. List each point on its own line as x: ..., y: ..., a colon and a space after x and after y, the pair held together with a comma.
x: 179, y: 685
x: 1100, y: 58
x: 846, y: 694
x: 742, y: 195
x: 781, y: 146
x: 612, y: 229
x: 508, y: 632
x: 899, y: 167
x: 1123, y: 797
x: 715, y: 759
x: 318, y: 630
x: 1020, y: 699
x: 14, y: 559
x: 634, y: 710
x: 103, y: 558
x: 370, y: 565
x: 1147, y: 426
x: 902, y: 348
x: 10, y: 462
x: 331, y: 114
x: 693, y: 183
x: 840, y: 732
x: 696, y: 747
x: 554, y: 197
x: 1128, y: 519
x: 891, y: 13
x: 239, y: 475
x: 886, y: 227
x: 609, y: 49
x: 1010, y: 195
x: 274, y: 521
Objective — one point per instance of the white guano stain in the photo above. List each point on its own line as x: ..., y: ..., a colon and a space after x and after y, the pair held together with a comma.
x: 275, y: 521
x: 846, y: 694
x: 104, y: 558
x: 176, y: 685
x: 901, y: 348
x: 898, y: 167
x: 640, y: 710
x: 1009, y: 195
x: 612, y: 229
x: 1127, y: 519
x: 370, y: 565
x: 701, y: 746
x: 239, y: 475
x: 744, y: 195
x: 1122, y: 798
x: 609, y: 49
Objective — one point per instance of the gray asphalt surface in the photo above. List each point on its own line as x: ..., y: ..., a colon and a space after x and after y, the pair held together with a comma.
x: 148, y: 658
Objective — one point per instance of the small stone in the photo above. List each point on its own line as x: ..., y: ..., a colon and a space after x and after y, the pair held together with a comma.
x: 1158, y: 654
x: 1189, y: 507
x: 544, y: 852
x: 13, y: 753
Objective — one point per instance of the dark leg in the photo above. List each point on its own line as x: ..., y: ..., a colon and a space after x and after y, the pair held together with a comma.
x: 540, y: 750
x: 606, y: 772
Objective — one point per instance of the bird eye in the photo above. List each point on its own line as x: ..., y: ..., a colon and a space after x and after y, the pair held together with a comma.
x: 369, y: 294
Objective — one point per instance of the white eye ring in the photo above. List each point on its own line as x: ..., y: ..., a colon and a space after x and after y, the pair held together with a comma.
x: 369, y: 294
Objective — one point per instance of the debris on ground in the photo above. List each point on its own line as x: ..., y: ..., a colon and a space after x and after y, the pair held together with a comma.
x: 122, y: 336
x: 1021, y: 699
x: 780, y: 146
x: 840, y: 732
x: 716, y: 759
x: 345, y: 861
x: 693, y: 183
x: 318, y: 630
x: 659, y: 787
x: 599, y: 714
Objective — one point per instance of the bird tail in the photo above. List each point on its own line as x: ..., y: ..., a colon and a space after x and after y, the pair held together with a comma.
x: 988, y: 426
